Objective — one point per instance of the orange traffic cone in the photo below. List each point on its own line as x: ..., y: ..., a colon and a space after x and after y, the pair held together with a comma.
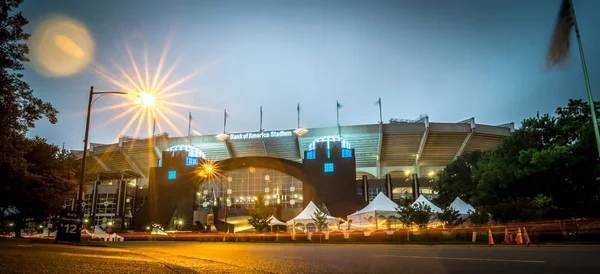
x: 506, y: 239
x: 510, y: 238
x: 519, y: 238
x: 490, y: 237
x: 526, y: 236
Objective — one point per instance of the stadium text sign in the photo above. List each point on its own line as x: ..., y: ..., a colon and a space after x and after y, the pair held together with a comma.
x: 258, y: 135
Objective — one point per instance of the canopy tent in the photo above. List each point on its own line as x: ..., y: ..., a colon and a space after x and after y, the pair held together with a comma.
x: 461, y: 206
x: 273, y: 221
x: 380, y: 208
x: 304, y: 221
x: 423, y: 200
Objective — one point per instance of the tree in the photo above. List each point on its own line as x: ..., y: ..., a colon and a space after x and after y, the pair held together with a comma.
x: 259, y: 216
x: 546, y: 169
x: 457, y: 180
x: 478, y: 217
x: 19, y: 107
x: 422, y: 214
x: 320, y: 218
x: 418, y: 214
x: 451, y: 217
x: 50, y: 178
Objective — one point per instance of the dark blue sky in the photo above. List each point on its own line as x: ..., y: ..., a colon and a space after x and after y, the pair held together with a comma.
x: 450, y: 59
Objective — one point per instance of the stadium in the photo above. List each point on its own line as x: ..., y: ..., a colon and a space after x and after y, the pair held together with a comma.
x: 185, y: 181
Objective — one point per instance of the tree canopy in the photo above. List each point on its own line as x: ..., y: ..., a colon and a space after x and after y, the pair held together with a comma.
x: 36, y: 177
x: 548, y: 168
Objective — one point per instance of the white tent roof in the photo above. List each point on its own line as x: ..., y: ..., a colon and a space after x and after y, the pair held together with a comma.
x: 274, y: 221
x: 380, y: 203
x: 308, y: 213
x: 422, y: 199
x: 461, y: 206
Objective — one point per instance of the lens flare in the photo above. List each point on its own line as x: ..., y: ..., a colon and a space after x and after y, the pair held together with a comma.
x: 61, y: 47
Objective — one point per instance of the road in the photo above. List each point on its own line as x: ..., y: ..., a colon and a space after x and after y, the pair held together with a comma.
x: 22, y: 256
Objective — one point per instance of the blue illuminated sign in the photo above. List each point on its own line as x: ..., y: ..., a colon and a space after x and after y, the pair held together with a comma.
x: 328, y: 167
x: 172, y: 175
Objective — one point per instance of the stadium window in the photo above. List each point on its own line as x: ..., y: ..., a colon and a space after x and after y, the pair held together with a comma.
x: 328, y: 167
x: 346, y: 153
x: 311, y: 155
x: 172, y: 174
x: 159, y: 162
x: 328, y: 153
x: 191, y: 161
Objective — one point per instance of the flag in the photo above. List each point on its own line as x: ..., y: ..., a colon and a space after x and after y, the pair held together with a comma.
x: 378, y: 102
x: 561, y: 37
x: 338, y: 105
x: 298, y: 108
x: 226, y: 115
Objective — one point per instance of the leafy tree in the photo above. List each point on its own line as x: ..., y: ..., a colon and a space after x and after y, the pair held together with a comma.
x: 320, y: 218
x: 19, y: 107
x: 478, y: 217
x: 418, y: 214
x: 259, y: 216
x: 546, y: 169
x: 456, y: 180
x: 422, y: 214
x: 50, y: 179
x: 451, y: 217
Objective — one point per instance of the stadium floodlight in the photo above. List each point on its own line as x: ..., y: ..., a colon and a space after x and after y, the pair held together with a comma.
x: 300, y: 131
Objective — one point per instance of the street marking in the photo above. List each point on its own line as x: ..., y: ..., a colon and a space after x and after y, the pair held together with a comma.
x: 464, y: 259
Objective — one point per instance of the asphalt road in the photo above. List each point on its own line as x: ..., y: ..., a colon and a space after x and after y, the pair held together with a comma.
x: 22, y: 256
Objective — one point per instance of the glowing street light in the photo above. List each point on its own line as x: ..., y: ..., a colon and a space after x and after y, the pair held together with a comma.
x: 145, y: 100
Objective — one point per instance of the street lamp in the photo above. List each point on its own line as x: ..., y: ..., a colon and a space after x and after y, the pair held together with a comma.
x: 144, y: 99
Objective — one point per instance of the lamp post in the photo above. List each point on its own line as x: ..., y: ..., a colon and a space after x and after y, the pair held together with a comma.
x: 144, y: 99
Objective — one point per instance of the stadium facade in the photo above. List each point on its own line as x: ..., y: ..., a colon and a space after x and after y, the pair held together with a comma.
x: 163, y: 179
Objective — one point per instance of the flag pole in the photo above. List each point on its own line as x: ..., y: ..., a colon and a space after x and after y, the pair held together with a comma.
x: 587, y: 78
x: 337, y: 109
x: 380, y: 113
x: 225, y: 121
x: 261, y: 129
x: 298, y: 115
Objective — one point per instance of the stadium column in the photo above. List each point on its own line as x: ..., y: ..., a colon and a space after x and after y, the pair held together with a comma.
x: 388, y: 185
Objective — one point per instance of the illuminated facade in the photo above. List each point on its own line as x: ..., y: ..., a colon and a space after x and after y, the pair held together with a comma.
x: 330, y: 165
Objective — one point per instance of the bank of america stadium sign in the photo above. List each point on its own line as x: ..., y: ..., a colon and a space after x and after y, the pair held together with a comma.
x: 257, y: 135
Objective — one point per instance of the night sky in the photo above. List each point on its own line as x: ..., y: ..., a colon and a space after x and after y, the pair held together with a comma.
x: 450, y: 59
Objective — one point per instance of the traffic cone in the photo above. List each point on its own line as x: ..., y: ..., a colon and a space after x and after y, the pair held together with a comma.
x: 519, y: 237
x: 511, y: 238
x: 506, y: 239
x: 490, y: 237
x: 526, y: 236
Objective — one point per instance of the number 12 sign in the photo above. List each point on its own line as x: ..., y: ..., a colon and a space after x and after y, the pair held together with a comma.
x: 69, y: 226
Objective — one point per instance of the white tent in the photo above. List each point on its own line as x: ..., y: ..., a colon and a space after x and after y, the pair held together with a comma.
x: 304, y: 221
x: 422, y: 199
x: 461, y: 206
x: 380, y: 208
x: 273, y: 221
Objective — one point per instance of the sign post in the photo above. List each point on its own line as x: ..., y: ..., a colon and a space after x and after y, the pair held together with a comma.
x: 69, y: 226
